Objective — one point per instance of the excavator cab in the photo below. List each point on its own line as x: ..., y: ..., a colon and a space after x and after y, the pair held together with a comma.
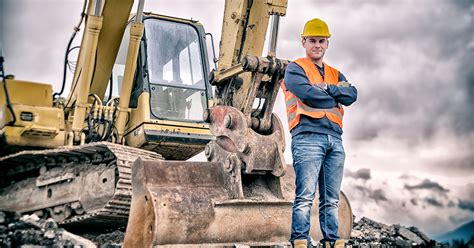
x: 171, y: 88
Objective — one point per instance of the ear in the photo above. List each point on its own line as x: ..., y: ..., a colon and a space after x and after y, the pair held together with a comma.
x: 328, y: 44
x: 303, y: 41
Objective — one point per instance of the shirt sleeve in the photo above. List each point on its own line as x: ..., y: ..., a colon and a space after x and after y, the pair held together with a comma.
x: 297, y: 83
x: 345, y: 94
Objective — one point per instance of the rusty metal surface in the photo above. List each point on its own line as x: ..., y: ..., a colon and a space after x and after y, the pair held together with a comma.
x: 188, y: 203
x: 257, y: 152
x: 253, y: 161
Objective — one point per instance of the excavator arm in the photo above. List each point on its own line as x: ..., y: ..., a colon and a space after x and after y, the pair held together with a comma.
x: 247, y: 132
x: 243, y: 76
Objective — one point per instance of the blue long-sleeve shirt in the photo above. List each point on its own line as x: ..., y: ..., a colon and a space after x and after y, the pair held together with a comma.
x: 297, y: 83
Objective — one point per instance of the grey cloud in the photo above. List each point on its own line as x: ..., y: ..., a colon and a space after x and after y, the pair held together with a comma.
x: 412, y: 99
x: 363, y: 174
x: 433, y: 202
x: 464, y: 4
x: 466, y: 205
x: 406, y: 176
x: 361, y: 188
x: 465, y: 119
x: 2, y: 22
x: 427, y: 184
x: 32, y: 36
x: 375, y: 194
x: 378, y: 195
x: 457, y: 165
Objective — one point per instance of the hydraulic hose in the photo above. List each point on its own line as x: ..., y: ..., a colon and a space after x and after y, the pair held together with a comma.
x: 5, y: 89
x: 76, y: 29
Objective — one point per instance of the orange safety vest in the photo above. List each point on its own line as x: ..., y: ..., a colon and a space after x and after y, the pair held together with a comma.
x: 295, y: 107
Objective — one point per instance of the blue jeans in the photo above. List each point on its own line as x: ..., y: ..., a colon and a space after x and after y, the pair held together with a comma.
x: 318, y: 159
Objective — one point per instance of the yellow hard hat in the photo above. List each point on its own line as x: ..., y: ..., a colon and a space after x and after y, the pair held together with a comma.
x: 316, y: 27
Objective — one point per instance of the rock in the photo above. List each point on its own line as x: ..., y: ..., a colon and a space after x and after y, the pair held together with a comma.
x: 31, y: 231
x: 3, y: 217
x: 409, y: 235
x: 368, y: 222
x: 420, y: 234
x: 402, y: 243
x: 77, y: 240
x: 387, y: 240
x: 49, y: 234
x: 370, y: 233
x: 51, y: 224
x: 109, y: 239
x: 30, y: 218
x: 356, y: 234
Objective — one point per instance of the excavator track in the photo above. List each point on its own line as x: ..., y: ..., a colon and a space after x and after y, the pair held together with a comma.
x: 33, y: 174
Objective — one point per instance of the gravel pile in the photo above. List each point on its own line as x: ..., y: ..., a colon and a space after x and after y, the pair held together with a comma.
x: 369, y: 233
x: 107, y: 240
x: 31, y: 231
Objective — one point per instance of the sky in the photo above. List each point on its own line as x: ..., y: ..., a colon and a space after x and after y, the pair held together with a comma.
x: 409, y: 138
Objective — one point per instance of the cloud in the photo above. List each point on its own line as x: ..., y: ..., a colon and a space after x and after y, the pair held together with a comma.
x: 466, y: 205
x: 433, y: 202
x: 427, y: 184
x: 461, y: 164
x: 378, y: 195
x: 412, y: 87
x: 375, y: 194
x: 387, y: 200
x: 363, y: 174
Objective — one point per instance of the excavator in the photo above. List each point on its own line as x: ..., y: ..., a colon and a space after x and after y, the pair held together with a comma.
x: 143, y: 100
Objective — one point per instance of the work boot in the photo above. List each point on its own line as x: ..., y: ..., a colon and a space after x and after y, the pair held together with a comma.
x: 300, y: 243
x: 338, y: 244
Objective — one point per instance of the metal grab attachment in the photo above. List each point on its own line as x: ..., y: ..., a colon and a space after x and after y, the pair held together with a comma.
x: 264, y: 74
x: 248, y: 157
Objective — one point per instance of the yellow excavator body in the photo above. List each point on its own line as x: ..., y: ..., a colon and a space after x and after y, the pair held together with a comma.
x: 113, y: 153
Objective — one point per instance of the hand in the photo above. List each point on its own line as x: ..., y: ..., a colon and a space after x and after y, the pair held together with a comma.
x: 323, y: 86
x: 343, y: 84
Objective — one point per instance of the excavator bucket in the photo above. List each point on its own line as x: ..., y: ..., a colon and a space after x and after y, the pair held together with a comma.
x: 190, y: 203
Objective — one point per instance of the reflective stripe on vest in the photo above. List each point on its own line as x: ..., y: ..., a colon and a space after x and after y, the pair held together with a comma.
x: 295, y: 107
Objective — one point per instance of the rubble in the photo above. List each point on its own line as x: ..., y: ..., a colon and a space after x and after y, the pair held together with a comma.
x: 31, y: 231
x: 369, y: 233
x: 110, y: 240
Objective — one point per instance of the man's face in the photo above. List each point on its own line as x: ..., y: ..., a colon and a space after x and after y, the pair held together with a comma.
x: 315, y: 46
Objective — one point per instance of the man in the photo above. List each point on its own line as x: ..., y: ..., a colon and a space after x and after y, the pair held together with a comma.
x: 314, y: 95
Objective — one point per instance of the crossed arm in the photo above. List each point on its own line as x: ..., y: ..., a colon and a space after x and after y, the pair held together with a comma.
x: 315, y: 96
